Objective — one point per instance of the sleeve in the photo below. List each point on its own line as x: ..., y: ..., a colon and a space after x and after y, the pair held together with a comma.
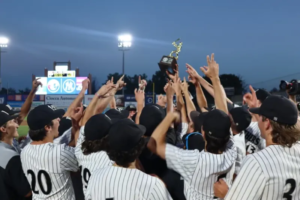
x: 184, y: 128
x: 25, y: 142
x: 159, y: 191
x: 68, y: 159
x: 80, y: 139
x: 182, y: 161
x: 250, y: 182
x: 16, y: 177
x: 65, y: 138
x: 239, y: 141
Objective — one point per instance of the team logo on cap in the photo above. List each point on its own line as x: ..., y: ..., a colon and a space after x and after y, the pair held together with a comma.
x: 4, y: 112
x: 69, y: 86
x: 53, y: 85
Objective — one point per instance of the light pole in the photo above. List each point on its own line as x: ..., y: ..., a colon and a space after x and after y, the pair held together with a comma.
x: 3, y: 44
x: 124, y: 45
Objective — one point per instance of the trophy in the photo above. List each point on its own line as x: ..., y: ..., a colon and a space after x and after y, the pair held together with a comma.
x: 168, y: 63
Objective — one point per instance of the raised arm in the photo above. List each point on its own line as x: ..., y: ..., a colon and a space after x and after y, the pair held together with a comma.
x: 27, y: 104
x: 193, y: 78
x: 212, y: 71
x: 77, y: 102
x: 189, y: 103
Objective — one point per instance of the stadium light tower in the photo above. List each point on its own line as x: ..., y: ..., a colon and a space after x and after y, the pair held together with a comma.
x: 124, y: 45
x: 3, y: 44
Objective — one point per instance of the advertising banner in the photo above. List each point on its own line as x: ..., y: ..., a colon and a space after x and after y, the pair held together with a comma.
x: 15, y: 104
x: 60, y: 100
x: 130, y: 97
x: 3, y: 99
x: 128, y: 103
x: 60, y: 85
x: 37, y: 103
x: 149, y: 99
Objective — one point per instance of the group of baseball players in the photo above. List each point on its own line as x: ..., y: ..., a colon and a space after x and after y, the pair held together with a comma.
x: 154, y: 152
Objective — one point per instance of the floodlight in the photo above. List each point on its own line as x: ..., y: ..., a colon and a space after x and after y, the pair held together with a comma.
x: 124, y: 41
x: 3, y: 42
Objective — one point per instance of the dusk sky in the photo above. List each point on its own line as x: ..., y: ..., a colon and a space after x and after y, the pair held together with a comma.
x: 257, y: 39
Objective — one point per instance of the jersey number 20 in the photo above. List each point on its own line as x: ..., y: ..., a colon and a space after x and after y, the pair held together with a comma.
x: 41, y: 174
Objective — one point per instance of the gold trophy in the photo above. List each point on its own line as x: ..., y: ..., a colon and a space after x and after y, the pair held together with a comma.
x: 168, y: 63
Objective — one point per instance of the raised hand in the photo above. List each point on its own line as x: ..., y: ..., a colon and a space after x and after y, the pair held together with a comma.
x: 139, y: 96
x: 171, y: 76
x: 77, y: 113
x: 142, y: 84
x: 176, y: 85
x: 85, y: 84
x: 212, y: 70
x: 193, y: 74
x: 251, y: 99
x: 184, y: 85
x: 35, y: 84
x: 120, y: 83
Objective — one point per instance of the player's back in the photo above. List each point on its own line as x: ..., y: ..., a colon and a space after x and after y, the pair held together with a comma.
x: 118, y: 183
x: 47, y: 168
x: 89, y: 163
x: 281, y: 170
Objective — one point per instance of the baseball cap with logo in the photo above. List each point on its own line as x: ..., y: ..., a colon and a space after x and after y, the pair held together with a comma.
x: 97, y: 127
x: 41, y: 116
x: 241, y: 117
x: 216, y: 124
x: 61, y: 112
x: 131, y: 107
x: 124, y: 135
x: 5, y: 117
x: 8, y: 109
x: 279, y: 109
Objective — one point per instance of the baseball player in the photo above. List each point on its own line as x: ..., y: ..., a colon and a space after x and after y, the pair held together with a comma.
x: 46, y: 165
x: 90, y: 147
x: 274, y: 172
x: 199, y: 169
x: 123, y: 180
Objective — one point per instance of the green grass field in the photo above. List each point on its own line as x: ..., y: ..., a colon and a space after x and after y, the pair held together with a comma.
x: 23, y: 130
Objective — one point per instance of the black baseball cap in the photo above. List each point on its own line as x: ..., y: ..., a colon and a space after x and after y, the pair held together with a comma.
x: 151, y: 117
x: 97, y: 127
x: 5, y: 117
x: 8, y: 109
x: 131, y: 107
x: 41, y: 116
x: 197, y: 118
x: 241, y: 117
x: 193, y: 141
x: 64, y: 124
x: 262, y: 94
x: 124, y: 135
x: 116, y: 114
x: 279, y: 109
x: 60, y: 112
x: 216, y: 124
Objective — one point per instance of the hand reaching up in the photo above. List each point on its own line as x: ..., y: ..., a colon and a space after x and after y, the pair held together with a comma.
x: 251, y: 99
x: 193, y: 74
x: 212, y: 70
x: 85, y: 84
x: 169, y: 89
x: 184, y: 86
x: 35, y: 84
x: 120, y: 83
x: 139, y: 96
x: 176, y: 85
x: 171, y: 76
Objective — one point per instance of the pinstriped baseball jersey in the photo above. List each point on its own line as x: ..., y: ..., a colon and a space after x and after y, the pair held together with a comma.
x: 200, y: 170
x: 254, y: 141
x: 47, y: 168
x: 89, y: 163
x: 270, y: 174
x: 118, y: 183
